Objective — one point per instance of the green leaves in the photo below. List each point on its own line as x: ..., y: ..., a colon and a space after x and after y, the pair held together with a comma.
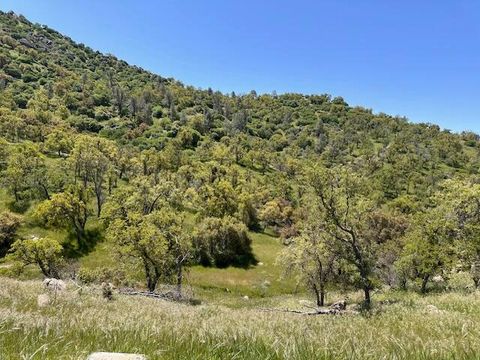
x: 46, y: 253
x: 9, y: 223
x: 143, y: 226
x: 223, y: 242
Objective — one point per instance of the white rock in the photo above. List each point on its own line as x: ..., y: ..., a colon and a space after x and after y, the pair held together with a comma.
x: 43, y: 300
x: 266, y: 283
x: 246, y: 297
x: 260, y: 263
x: 339, y: 305
x: 54, y: 284
x: 115, y: 356
x: 433, y: 309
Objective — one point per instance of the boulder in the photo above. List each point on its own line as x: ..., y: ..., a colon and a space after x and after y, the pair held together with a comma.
x: 339, y: 305
x: 115, y: 356
x: 54, y: 284
x: 26, y: 42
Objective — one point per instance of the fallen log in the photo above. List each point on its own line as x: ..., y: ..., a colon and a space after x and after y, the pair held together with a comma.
x: 168, y: 296
x: 316, y: 312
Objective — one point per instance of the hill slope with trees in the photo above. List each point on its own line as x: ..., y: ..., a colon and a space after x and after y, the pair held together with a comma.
x: 94, y: 150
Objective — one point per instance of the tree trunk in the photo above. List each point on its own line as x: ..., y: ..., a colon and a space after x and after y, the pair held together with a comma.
x: 43, y: 269
x: 425, y: 279
x: 179, y: 278
x: 322, y: 297
x: 317, y: 295
x: 151, y: 282
x: 80, y: 233
x: 476, y: 281
x: 98, y: 195
x: 99, y: 207
x: 367, y: 300
x: 45, y: 191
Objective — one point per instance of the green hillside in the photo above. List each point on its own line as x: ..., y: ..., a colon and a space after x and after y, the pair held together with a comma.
x: 137, y: 178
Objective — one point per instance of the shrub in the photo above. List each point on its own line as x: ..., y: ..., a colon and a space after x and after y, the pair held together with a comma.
x: 21, y: 101
x: 103, y: 113
x: 9, y: 223
x: 157, y: 112
x: 83, y: 123
x: 29, y: 77
x: 12, y: 71
x: 46, y: 253
x: 101, y: 275
x: 222, y: 242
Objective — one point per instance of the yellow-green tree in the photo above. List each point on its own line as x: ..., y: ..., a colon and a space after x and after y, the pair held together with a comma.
x: 46, y: 253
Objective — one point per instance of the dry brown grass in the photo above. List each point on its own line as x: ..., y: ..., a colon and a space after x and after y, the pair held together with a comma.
x: 81, y: 322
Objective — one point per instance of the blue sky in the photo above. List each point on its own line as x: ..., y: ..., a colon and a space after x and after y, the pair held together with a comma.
x: 420, y: 59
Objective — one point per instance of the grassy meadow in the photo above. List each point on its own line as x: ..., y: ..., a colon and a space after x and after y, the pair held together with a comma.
x: 79, y: 322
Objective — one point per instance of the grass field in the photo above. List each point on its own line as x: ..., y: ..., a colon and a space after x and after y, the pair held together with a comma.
x: 81, y: 322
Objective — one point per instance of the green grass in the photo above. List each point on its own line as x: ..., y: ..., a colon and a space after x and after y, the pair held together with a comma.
x: 219, y: 285
x: 261, y: 280
x: 82, y: 322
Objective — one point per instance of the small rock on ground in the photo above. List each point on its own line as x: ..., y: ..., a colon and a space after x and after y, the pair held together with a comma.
x: 339, y: 305
x: 433, y: 309
x: 54, y: 284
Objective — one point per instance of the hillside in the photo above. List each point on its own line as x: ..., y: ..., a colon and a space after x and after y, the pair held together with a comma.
x: 83, y: 90
x: 86, y: 128
x: 115, y: 179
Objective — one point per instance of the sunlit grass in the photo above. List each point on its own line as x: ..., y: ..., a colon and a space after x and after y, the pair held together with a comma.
x: 82, y: 322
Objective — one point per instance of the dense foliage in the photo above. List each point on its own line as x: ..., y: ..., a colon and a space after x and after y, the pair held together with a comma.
x: 176, y: 175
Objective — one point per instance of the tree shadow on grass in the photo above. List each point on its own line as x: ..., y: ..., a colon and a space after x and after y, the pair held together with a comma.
x: 19, y: 207
x: 75, y: 249
x: 243, y: 258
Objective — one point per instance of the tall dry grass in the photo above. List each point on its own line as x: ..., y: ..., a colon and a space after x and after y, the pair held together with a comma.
x: 82, y: 322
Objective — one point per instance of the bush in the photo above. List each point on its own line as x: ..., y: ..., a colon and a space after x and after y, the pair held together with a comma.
x: 45, y: 253
x: 9, y: 223
x: 189, y: 138
x: 83, y: 123
x: 29, y: 77
x: 101, y: 275
x: 222, y: 242
x: 157, y: 112
x: 12, y: 71
x: 21, y: 101
x: 103, y: 113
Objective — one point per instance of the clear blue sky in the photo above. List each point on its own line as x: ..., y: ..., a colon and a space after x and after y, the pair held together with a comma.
x: 417, y: 58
